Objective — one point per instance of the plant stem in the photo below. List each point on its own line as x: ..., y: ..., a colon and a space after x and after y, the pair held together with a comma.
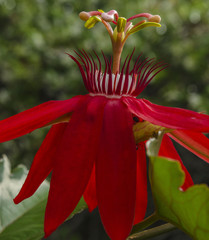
x: 153, y: 232
x: 145, y: 223
x: 117, y: 50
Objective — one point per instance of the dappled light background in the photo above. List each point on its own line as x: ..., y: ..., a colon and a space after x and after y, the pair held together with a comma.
x: 36, y: 34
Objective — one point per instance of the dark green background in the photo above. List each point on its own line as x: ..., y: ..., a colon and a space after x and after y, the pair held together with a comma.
x: 34, y: 36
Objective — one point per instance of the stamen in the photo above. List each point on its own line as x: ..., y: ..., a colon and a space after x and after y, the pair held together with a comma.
x: 92, y: 21
x: 121, y: 24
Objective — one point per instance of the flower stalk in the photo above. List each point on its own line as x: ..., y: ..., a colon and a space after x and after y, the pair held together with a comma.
x: 145, y: 223
x: 152, y: 232
x: 117, y: 51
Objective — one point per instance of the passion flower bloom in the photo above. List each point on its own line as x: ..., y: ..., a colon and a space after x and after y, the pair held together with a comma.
x: 96, y: 145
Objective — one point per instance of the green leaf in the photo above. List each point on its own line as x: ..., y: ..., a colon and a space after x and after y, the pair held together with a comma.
x: 10, y: 184
x: 24, y: 221
x: 29, y: 226
x: 188, y: 210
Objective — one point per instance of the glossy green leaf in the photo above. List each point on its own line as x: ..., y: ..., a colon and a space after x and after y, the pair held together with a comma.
x: 25, y: 220
x: 28, y: 215
x: 28, y: 226
x: 187, y: 210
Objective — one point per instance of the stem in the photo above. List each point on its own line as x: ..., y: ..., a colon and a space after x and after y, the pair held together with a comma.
x: 94, y: 13
x: 146, y: 15
x: 117, y: 50
x: 116, y: 60
x: 145, y: 223
x: 117, y: 47
x: 109, y: 29
x: 152, y: 232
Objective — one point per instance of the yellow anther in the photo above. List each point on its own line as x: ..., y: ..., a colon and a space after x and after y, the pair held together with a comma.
x: 121, y: 24
x: 90, y: 23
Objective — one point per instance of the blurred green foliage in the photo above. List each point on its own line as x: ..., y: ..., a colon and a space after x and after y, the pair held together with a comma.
x: 35, y: 34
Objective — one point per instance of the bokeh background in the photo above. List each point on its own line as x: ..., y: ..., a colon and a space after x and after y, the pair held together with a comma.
x: 34, y: 36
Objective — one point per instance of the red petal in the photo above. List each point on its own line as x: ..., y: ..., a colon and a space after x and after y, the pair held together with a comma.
x: 168, y: 150
x: 116, y: 171
x: 174, y: 118
x: 74, y: 162
x: 141, y: 184
x: 36, y: 117
x: 42, y: 163
x: 90, y: 192
x: 195, y: 142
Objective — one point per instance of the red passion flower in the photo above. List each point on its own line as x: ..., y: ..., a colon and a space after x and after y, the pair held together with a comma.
x: 96, y: 145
